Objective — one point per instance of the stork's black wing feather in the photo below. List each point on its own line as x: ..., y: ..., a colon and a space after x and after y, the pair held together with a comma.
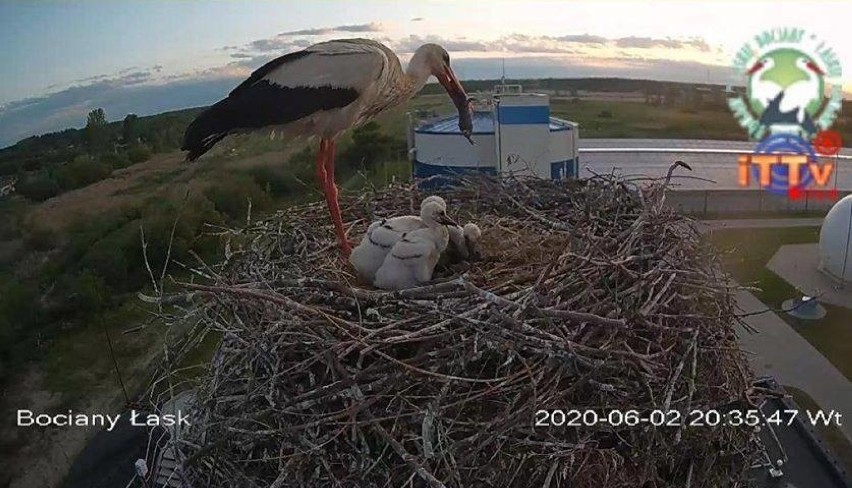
x: 258, y: 103
x: 289, y: 88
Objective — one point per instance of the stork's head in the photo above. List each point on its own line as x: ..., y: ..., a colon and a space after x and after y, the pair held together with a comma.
x: 435, y: 60
x: 806, y: 64
x: 762, y: 64
x: 472, y: 236
x: 434, y: 209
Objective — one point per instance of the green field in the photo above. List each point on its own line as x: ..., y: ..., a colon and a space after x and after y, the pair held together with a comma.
x: 610, y: 119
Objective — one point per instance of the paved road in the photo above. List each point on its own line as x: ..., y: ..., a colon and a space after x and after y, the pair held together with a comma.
x: 721, y: 168
x: 761, y: 223
x: 781, y: 352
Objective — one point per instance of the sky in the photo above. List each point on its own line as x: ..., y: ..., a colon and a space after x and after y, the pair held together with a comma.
x: 60, y: 59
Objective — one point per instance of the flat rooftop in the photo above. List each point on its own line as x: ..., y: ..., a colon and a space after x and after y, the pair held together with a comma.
x: 809, y: 463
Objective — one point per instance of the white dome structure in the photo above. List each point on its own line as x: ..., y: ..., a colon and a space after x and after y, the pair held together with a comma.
x: 835, y: 248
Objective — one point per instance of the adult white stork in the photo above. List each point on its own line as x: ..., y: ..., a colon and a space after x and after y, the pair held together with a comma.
x: 322, y: 91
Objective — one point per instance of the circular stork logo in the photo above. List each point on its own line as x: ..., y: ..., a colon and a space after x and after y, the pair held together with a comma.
x: 791, y: 84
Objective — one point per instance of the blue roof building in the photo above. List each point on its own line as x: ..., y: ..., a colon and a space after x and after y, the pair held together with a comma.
x: 514, y: 134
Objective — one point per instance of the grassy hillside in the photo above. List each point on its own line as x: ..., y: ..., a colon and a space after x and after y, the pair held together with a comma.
x: 71, y: 265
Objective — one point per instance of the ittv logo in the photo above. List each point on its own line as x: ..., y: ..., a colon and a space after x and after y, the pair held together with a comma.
x: 792, y: 96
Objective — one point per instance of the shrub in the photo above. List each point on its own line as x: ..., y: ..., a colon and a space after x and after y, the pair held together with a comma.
x: 40, y: 238
x: 81, y: 294
x: 115, y: 160
x: 230, y: 196
x: 37, y: 187
x: 370, y: 147
x: 9, y: 167
x: 158, y: 219
x: 83, y: 171
x: 108, y: 259
x: 138, y: 154
x: 279, y: 182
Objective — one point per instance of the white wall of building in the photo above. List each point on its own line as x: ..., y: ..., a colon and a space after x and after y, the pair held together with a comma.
x: 455, y: 150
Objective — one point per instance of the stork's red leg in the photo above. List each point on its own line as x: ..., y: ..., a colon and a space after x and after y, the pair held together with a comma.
x: 325, y: 175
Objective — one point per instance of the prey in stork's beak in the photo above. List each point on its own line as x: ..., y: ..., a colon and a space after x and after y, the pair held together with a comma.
x: 451, y: 83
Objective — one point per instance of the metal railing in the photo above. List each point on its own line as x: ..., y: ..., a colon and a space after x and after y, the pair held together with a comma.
x: 693, y: 150
x: 711, y: 188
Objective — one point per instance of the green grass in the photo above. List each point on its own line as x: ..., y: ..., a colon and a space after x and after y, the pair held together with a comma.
x: 747, y: 251
x: 630, y: 119
x: 78, y: 363
x: 379, y: 176
x: 837, y: 442
x: 639, y: 120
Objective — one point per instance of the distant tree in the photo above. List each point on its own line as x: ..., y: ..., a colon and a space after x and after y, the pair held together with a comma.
x: 369, y: 147
x: 81, y: 172
x: 96, y: 131
x: 695, y: 98
x: 671, y: 96
x: 130, y: 129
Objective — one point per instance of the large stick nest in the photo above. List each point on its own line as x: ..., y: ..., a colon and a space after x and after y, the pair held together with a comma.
x: 592, y: 296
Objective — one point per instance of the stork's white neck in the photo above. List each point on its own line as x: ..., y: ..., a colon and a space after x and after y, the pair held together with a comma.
x: 417, y: 72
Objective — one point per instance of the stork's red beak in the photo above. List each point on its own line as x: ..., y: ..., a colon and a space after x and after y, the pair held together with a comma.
x: 815, y: 68
x: 754, y: 68
x: 451, y: 83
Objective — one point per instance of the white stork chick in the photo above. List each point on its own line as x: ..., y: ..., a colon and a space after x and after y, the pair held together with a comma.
x: 381, y: 236
x: 412, y: 259
x: 464, y: 244
x: 322, y: 91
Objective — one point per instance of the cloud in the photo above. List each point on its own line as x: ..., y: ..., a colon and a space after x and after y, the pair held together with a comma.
x: 566, y: 44
x: 289, y: 41
x: 146, y: 91
x: 371, y: 27
x: 69, y: 107
x: 411, y: 43
x: 649, y: 43
x: 418, y: 19
x: 134, y: 78
x: 276, y: 45
x: 583, y: 39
